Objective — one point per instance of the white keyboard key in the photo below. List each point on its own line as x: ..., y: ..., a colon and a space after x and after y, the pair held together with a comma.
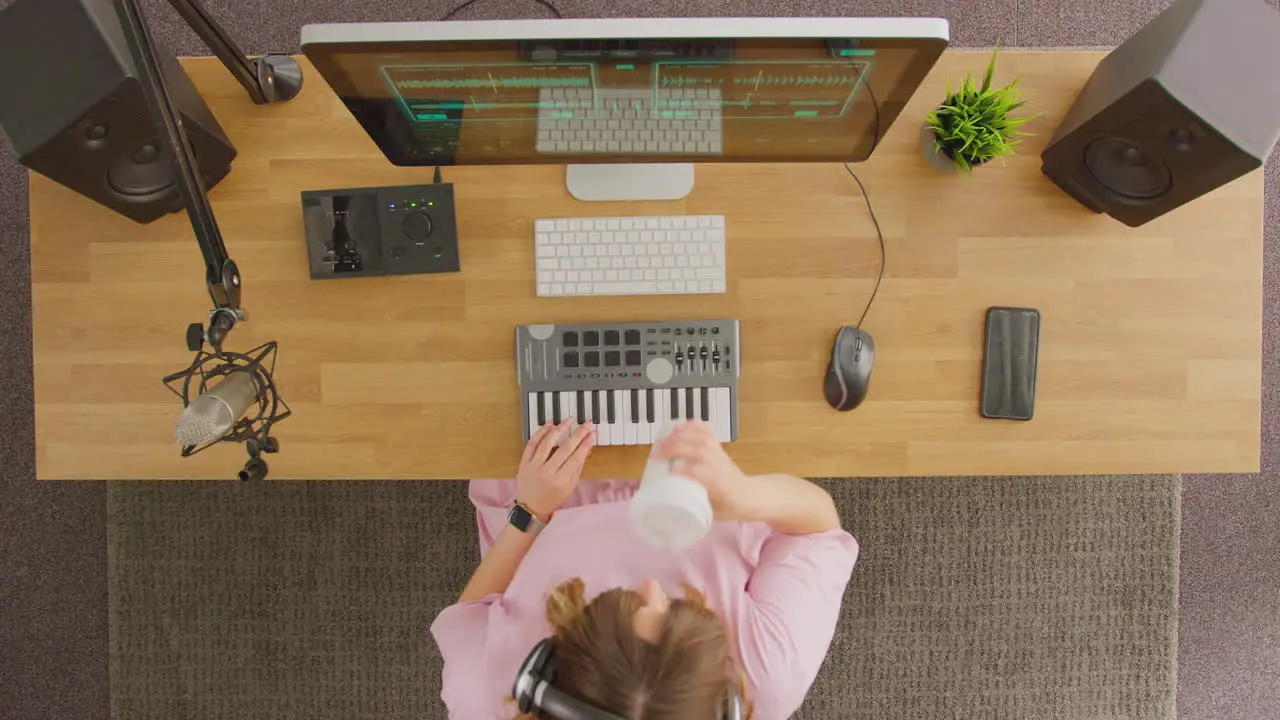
x: 531, y: 403
x: 697, y: 404
x: 617, y: 436
x: 544, y: 225
x: 661, y: 411
x: 629, y: 428
x: 644, y: 431
x: 723, y: 415
x: 567, y: 406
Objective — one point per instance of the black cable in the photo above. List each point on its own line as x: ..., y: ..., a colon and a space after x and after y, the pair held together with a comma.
x: 544, y: 3
x: 879, y: 234
x: 438, y: 177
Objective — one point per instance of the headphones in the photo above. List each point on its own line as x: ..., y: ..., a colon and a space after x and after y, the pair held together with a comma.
x: 535, y: 691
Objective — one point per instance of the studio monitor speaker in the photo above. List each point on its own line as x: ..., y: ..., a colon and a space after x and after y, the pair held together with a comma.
x: 1190, y: 102
x: 72, y: 108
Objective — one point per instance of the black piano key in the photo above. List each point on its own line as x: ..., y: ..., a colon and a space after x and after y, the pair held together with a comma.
x: 706, y: 405
x: 649, y: 405
x: 542, y: 413
x: 612, y: 411
x: 555, y: 408
x: 688, y: 403
x: 635, y: 406
x: 582, y: 406
x: 596, y: 417
x: 675, y: 404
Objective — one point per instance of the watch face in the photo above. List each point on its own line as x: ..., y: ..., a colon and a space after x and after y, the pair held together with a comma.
x: 519, y: 517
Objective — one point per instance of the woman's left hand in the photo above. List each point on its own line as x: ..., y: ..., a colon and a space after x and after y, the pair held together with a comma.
x: 549, y: 471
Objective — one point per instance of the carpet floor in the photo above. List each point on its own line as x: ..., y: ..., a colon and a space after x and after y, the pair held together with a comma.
x: 998, y: 598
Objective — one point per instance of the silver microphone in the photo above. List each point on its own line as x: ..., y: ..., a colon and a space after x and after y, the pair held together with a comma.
x: 211, y: 415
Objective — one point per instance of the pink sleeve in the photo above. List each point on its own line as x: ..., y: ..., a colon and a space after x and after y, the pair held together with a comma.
x: 793, y: 605
x: 462, y: 632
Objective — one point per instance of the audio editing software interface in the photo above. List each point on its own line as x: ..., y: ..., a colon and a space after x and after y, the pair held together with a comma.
x: 555, y: 101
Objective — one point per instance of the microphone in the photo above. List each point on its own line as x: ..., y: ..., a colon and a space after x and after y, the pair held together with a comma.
x: 211, y: 415
x: 228, y: 397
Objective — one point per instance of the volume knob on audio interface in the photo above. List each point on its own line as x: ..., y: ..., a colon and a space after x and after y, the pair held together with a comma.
x: 417, y: 226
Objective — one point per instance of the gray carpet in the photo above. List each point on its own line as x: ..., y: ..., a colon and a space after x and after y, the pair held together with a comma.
x: 1009, y: 598
x: 293, y: 644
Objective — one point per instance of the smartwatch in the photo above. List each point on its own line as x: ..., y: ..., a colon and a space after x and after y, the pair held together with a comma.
x: 523, y: 519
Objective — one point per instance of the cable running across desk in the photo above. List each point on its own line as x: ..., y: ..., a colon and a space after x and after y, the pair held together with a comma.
x: 879, y: 236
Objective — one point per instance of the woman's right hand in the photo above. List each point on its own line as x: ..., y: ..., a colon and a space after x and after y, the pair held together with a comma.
x: 695, y: 453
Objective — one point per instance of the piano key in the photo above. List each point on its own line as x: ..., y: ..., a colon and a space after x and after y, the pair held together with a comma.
x: 673, y: 404
x: 688, y: 404
x: 540, y: 399
x: 722, y: 418
x: 648, y: 406
x: 628, y: 425
x: 555, y: 408
x: 532, y: 404
x: 596, y: 415
x: 644, y: 431
x: 634, y: 412
x: 696, y: 413
x: 581, y: 413
x: 706, y: 405
x: 613, y: 416
x: 567, y: 411
x: 661, y: 415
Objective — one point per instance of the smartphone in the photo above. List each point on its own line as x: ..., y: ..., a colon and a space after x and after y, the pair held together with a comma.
x: 1009, y: 363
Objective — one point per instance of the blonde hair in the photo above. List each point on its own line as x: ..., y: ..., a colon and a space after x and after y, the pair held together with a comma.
x: 600, y: 659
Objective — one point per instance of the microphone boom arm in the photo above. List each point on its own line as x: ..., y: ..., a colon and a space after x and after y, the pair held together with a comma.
x: 274, y: 78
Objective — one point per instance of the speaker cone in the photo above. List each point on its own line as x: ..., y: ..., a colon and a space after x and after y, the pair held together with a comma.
x: 143, y: 173
x: 1124, y: 168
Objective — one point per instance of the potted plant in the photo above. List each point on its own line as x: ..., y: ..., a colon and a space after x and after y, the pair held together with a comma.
x: 974, y: 125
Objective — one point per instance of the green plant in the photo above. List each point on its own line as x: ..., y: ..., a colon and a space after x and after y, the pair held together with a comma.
x: 974, y: 124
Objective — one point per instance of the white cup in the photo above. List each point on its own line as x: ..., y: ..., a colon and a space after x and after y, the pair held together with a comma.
x: 669, y: 511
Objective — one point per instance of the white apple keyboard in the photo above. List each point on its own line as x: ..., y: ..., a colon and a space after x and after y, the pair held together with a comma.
x: 663, y: 255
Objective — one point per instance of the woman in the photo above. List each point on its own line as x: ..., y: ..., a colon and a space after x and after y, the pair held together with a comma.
x: 760, y: 593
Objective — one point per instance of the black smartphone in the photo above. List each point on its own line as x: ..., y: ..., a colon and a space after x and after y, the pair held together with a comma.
x: 1009, y: 363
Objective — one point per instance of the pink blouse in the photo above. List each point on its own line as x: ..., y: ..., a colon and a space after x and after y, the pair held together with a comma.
x: 779, y: 593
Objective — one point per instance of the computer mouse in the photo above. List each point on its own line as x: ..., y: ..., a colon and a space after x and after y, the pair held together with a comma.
x: 849, y: 371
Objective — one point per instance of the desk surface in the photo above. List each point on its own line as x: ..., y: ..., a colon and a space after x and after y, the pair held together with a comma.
x: 1149, y: 361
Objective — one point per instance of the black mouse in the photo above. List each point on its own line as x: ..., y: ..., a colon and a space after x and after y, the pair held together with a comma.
x: 849, y: 371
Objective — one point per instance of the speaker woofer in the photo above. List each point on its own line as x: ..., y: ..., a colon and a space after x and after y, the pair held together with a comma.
x: 1126, y: 169
x: 141, y: 174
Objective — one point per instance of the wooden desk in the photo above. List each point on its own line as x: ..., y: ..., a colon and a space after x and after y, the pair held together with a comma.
x: 1150, y: 355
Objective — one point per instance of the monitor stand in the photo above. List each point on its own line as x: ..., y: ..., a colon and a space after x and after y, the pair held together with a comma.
x: 625, y: 181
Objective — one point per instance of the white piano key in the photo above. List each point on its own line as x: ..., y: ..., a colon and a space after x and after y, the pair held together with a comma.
x: 628, y: 428
x: 661, y: 414
x: 616, y: 434
x: 594, y: 397
x: 644, y: 431
x: 531, y: 402
x: 723, y: 416
x: 568, y: 406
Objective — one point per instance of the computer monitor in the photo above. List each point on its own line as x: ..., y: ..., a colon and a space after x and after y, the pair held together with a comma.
x: 628, y: 105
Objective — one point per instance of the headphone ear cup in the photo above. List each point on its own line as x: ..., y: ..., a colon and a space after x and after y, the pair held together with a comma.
x: 539, y: 665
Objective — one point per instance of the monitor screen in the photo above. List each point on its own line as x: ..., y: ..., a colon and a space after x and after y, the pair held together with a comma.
x: 606, y: 91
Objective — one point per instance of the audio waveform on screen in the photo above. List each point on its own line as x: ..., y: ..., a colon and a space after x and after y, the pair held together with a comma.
x: 486, y: 82
x: 761, y: 80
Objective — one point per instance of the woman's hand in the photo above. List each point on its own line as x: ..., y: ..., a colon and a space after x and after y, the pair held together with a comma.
x: 695, y: 453
x: 549, y: 472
